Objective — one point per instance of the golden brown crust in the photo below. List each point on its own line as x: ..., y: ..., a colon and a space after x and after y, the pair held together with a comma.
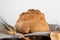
x: 31, y: 21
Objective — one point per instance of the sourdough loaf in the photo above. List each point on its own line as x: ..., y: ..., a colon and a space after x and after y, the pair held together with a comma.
x: 32, y: 21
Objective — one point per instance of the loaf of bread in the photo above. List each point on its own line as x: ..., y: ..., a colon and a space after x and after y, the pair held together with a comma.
x: 55, y: 35
x: 31, y: 21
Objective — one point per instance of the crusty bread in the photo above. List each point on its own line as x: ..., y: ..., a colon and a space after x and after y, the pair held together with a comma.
x: 31, y: 21
x: 55, y: 35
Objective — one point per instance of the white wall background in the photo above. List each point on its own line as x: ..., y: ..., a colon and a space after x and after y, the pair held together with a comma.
x: 11, y: 9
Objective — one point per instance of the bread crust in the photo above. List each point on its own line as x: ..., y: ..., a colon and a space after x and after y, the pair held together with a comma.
x: 32, y: 21
x: 55, y: 35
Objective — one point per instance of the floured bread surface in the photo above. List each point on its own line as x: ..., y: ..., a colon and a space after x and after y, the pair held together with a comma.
x: 31, y: 21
